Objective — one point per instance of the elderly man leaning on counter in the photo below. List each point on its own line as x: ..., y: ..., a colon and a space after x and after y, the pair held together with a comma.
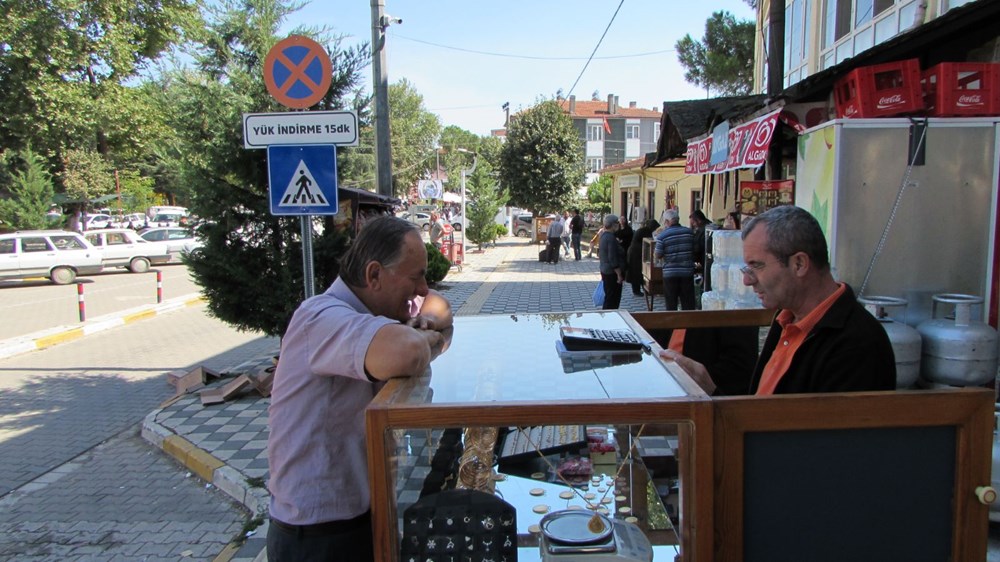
x: 377, y: 321
x: 821, y: 339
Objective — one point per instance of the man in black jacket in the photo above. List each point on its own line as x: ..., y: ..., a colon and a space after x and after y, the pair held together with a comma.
x: 576, y: 231
x: 821, y: 339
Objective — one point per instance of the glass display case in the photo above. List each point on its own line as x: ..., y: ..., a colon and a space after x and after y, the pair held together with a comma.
x: 652, y: 272
x: 631, y: 439
x: 507, y: 410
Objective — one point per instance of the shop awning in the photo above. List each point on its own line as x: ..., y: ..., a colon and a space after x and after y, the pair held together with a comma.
x: 747, y: 147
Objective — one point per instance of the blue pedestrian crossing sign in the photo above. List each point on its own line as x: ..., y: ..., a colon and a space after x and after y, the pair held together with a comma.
x: 302, y: 180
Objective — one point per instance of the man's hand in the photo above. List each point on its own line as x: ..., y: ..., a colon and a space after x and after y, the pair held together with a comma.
x: 694, y: 369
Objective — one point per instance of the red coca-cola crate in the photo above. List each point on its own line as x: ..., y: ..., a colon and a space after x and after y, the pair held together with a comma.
x: 880, y: 90
x: 962, y: 89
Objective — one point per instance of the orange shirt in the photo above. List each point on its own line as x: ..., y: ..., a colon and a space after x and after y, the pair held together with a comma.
x: 792, y: 336
x: 677, y: 340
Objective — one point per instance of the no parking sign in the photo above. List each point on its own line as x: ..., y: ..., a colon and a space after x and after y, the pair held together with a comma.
x: 297, y: 72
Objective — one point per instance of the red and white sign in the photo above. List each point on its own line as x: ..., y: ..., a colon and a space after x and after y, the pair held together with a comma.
x: 748, y: 145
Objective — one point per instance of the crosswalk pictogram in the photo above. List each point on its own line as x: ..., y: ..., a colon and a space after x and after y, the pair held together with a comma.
x: 302, y: 191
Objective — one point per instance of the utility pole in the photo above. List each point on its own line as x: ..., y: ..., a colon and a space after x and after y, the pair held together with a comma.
x: 383, y: 150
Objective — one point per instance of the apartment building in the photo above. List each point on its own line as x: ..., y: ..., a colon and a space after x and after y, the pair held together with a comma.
x: 611, y: 134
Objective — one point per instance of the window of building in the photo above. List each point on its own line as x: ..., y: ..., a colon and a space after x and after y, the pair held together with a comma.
x: 632, y: 131
x: 595, y: 132
x: 594, y: 164
x: 656, y: 131
x: 845, y: 16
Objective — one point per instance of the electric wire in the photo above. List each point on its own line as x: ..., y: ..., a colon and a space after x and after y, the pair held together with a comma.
x: 529, y: 57
x: 599, y: 41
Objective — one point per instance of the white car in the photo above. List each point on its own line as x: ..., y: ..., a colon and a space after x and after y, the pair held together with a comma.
x: 124, y: 248
x: 179, y: 240
x: 98, y: 220
x: 56, y: 254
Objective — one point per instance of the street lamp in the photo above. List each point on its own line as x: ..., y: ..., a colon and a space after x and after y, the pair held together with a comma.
x: 465, y: 222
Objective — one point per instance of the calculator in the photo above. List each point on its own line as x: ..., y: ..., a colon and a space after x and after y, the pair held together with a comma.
x: 588, y: 339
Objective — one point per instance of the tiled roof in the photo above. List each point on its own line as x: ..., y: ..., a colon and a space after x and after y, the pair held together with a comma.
x: 684, y: 120
x: 626, y: 165
x: 600, y: 109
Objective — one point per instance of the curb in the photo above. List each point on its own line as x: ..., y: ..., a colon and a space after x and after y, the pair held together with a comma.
x: 62, y: 334
x: 214, y: 471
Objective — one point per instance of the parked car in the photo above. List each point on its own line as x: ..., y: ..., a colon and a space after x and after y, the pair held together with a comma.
x: 56, y: 254
x: 423, y: 220
x: 521, y: 226
x: 167, y: 218
x: 124, y: 248
x: 179, y: 240
x: 98, y: 220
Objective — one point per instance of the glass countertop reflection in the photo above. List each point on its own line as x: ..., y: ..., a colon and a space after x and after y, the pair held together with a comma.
x: 501, y: 358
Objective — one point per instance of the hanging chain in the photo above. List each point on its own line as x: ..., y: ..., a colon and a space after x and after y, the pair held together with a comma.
x: 895, y: 207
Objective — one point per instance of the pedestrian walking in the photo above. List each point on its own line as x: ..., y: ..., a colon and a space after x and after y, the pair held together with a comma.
x: 674, y: 245
x: 576, y: 231
x: 612, y: 263
x: 566, y: 233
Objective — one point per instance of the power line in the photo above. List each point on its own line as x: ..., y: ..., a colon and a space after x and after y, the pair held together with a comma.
x: 599, y: 41
x: 531, y: 57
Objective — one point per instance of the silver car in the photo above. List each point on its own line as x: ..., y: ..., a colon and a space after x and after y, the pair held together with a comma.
x: 122, y: 247
x: 179, y: 240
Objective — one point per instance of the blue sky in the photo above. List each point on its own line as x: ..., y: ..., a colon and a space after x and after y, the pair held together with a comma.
x: 468, y: 88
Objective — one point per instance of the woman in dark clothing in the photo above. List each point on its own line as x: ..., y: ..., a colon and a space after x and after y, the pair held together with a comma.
x: 612, y: 259
x: 634, y: 257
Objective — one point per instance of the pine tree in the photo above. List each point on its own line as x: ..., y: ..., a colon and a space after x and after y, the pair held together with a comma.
x: 31, y: 195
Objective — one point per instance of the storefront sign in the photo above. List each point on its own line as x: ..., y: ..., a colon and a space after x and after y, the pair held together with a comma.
x: 759, y: 196
x: 631, y: 180
x: 747, y: 147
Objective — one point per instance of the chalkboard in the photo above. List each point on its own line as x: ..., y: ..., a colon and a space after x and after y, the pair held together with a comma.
x: 854, y: 494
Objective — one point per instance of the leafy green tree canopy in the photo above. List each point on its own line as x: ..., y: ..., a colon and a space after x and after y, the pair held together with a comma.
x: 722, y: 61
x: 541, y: 164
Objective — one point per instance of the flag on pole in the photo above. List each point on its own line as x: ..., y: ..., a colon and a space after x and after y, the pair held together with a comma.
x: 607, y: 126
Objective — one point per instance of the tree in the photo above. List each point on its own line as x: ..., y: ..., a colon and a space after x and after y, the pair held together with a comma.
x: 31, y: 194
x: 485, y: 197
x: 250, y: 264
x: 541, y: 164
x: 723, y: 60
x: 64, y: 66
x: 412, y: 131
x: 599, y: 195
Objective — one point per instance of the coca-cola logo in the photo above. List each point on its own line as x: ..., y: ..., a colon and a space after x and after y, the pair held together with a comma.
x: 889, y: 101
x: 851, y: 110
x: 968, y: 100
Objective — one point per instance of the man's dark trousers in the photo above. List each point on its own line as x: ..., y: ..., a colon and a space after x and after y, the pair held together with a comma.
x: 679, y: 288
x: 553, y: 246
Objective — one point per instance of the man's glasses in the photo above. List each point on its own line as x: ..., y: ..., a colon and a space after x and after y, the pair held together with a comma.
x: 751, y: 269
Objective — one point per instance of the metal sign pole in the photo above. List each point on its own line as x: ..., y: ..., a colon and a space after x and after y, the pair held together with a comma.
x: 308, y: 277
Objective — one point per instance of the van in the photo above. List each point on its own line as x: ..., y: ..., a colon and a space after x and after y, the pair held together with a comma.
x: 56, y: 254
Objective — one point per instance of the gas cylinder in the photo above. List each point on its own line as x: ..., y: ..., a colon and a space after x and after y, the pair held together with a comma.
x: 957, y: 351
x: 905, y: 340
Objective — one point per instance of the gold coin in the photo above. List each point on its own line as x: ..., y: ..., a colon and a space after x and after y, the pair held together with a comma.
x: 619, y: 498
x: 567, y: 495
x: 602, y: 489
x: 631, y: 519
x: 589, y: 496
x: 499, y: 477
x: 574, y: 507
x: 624, y: 510
x: 538, y: 475
x: 540, y: 508
x: 536, y: 492
x: 534, y: 529
x: 603, y: 510
x: 605, y: 500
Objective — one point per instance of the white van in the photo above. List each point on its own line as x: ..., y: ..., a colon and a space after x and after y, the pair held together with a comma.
x: 165, y: 215
x: 56, y: 254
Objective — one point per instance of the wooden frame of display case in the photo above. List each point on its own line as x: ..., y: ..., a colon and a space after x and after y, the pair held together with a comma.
x: 858, y: 422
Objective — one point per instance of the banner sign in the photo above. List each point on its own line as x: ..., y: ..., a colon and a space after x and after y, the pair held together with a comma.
x: 747, y: 147
x: 759, y: 196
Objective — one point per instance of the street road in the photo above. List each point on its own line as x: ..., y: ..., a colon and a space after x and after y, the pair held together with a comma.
x: 30, y: 306
x: 69, y: 421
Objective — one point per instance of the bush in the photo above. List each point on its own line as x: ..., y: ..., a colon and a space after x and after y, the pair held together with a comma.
x: 501, y: 230
x: 437, y: 265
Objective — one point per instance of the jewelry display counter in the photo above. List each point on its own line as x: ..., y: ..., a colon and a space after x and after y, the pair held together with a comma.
x: 860, y: 476
x: 508, y: 372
